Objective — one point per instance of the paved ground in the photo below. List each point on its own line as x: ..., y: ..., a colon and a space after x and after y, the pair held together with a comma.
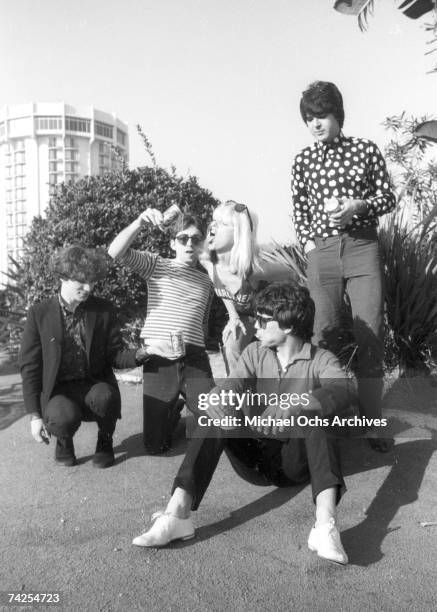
x: 69, y: 530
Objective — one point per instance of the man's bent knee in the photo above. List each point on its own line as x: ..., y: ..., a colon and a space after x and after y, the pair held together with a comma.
x: 62, y: 416
x: 103, y: 400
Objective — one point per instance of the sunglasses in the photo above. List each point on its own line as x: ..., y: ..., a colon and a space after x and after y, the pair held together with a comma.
x: 262, y: 320
x: 241, y: 208
x: 184, y: 238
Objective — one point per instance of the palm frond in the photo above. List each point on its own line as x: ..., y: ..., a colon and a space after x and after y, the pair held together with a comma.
x: 361, y: 8
x: 290, y: 255
x: 364, y: 15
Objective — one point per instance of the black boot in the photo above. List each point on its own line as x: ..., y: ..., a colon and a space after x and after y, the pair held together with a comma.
x: 104, y: 455
x: 64, y: 452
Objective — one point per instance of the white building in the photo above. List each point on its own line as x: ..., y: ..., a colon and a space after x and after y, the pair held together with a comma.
x: 41, y: 145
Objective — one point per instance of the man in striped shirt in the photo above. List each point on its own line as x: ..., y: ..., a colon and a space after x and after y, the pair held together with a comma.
x: 179, y: 297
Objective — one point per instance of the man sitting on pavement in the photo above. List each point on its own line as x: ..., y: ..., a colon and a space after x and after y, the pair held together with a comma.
x: 70, y: 344
x: 269, y: 450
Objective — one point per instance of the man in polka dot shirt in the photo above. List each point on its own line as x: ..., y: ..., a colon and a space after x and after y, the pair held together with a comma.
x: 340, y: 187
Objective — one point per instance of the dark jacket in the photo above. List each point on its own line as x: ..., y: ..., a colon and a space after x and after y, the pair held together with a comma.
x: 41, y: 347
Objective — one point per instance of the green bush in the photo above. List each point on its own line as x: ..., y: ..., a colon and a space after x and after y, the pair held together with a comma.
x: 92, y: 212
x: 410, y: 271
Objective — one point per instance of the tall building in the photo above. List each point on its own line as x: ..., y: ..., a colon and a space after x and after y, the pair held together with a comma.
x: 42, y: 145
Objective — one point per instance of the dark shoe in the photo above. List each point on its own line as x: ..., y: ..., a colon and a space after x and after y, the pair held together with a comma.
x: 382, y: 445
x: 104, y: 455
x: 64, y: 452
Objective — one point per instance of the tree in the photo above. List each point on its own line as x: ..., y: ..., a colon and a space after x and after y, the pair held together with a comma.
x: 413, y: 169
x: 92, y: 211
x: 409, y: 247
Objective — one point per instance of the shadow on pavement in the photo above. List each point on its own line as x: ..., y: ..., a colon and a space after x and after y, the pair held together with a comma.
x: 266, y: 503
x: 133, y: 445
x: 409, y: 461
x: 11, y: 404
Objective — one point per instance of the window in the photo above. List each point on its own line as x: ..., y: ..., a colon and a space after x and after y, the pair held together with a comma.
x: 2, y: 129
x: 53, y: 166
x: 70, y: 166
x: 19, y: 157
x: 70, y: 142
x: 53, y: 179
x: 77, y: 124
x: 71, y: 154
x: 48, y: 123
x: 103, y: 129
x: 53, y: 141
x: 121, y: 137
x: 20, y: 222
x: 53, y: 154
x: 19, y: 169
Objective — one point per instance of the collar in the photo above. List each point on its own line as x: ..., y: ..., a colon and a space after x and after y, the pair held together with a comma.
x: 66, y: 309
x: 303, y: 355
x: 331, y: 146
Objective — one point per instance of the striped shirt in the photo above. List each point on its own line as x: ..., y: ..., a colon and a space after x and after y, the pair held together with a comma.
x: 178, y: 297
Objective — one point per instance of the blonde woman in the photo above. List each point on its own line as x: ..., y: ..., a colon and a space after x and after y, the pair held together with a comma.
x: 236, y: 269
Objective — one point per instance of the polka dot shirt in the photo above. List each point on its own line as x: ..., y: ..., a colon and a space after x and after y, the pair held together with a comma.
x: 344, y: 168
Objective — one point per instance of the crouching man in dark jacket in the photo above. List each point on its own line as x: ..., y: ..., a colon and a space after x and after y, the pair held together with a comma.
x: 69, y: 346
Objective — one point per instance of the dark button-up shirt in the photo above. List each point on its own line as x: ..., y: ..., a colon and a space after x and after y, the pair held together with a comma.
x: 345, y: 168
x: 74, y: 364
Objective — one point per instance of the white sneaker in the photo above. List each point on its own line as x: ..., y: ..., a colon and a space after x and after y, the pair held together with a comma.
x: 165, y: 529
x: 325, y: 541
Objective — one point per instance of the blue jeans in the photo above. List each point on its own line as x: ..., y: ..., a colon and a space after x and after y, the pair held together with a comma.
x: 351, y: 263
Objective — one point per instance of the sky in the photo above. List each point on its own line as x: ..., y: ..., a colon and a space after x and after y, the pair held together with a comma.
x: 216, y: 84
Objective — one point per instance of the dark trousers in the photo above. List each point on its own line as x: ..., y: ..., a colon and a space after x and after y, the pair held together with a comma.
x: 163, y: 382
x: 81, y: 400
x: 262, y: 461
x: 351, y: 263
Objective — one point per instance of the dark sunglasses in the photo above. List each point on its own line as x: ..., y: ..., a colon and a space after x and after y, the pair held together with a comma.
x: 241, y: 208
x: 262, y: 320
x: 184, y: 238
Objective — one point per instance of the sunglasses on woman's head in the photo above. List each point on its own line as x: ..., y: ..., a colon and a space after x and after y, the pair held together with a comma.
x: 184, y: 238
x: 241, y: 208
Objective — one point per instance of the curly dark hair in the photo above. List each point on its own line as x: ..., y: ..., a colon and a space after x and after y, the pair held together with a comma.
x: 321, y: 98
x: 79, y: 263
x: 290, y: 305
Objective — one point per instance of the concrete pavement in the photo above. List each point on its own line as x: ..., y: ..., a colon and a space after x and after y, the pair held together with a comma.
x: 69, y: 530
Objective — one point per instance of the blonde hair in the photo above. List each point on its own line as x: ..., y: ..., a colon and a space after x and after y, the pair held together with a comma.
x: 243, y: 256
